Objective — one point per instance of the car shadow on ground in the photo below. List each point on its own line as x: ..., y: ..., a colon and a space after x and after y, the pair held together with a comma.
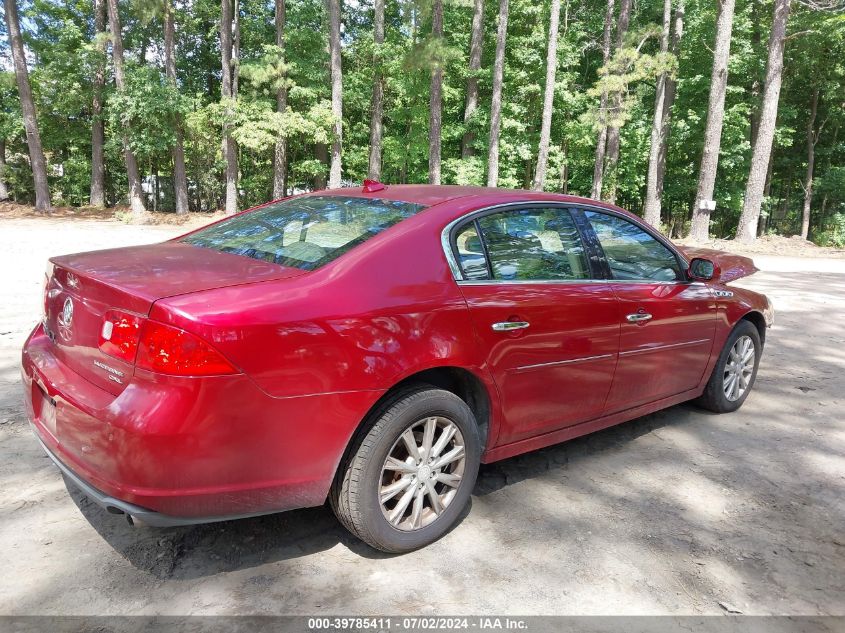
x: 208, y: 549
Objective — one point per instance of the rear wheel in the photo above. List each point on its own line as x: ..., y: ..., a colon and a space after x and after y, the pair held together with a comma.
x: 735, y: 370
x: 406, y: 481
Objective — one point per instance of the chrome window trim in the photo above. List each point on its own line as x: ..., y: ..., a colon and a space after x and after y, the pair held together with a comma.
x: 512, y: 282
x: 457, y: 274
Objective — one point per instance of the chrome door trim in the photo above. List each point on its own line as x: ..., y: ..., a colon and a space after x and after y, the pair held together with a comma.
x: 584, y: 359
x: 657, y: 348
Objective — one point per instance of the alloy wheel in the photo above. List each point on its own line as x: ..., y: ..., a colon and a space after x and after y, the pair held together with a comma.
x: 422, y: 473
x: 739, y: 368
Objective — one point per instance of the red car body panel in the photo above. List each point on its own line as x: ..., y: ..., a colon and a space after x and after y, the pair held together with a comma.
x: 314, y: 352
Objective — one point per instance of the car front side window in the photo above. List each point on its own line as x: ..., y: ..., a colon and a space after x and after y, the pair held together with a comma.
x: 535, y: 244
x: 632, y: 254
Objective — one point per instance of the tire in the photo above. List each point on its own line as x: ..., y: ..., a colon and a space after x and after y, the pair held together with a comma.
x: 362, y: 480
x: 715, y: 397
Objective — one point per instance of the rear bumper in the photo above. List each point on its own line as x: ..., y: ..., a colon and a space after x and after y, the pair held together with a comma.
x: 118, y: 506
x: 175, y: 451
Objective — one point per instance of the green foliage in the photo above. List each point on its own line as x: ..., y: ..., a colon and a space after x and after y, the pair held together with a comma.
x: 65, y: 53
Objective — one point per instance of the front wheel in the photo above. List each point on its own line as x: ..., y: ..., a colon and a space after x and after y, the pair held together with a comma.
x: 405, y: 483
x: 735, y: 370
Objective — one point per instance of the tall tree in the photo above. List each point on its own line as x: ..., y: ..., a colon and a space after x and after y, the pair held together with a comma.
x: 548, y: 99
x: 33, y: 137
x: 280, y: 154
x: 230, y: 150
x: 4, y: 191
x: 335, y: 172
x: 652, y: 196
x: 97, y: 197
x: 669, y: 101
x: 747, y: 229
x: 496, y: 99
x: 700, y: 229
x: 475, y: 46
x: 601, y: 139
x: 812, y: 138
x: 136, y: 199
x: 180, y: 179
x: 377, y: 103
x: 613, y: 130
x: 435, y: 97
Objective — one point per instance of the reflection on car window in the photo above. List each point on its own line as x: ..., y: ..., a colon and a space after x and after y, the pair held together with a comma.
x: 534, y: 244
x: 305, y: 232
x: 631, y: 252
x: 471, y: 253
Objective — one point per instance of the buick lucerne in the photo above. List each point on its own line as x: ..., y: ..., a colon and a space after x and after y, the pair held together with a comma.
x: 372, y: 347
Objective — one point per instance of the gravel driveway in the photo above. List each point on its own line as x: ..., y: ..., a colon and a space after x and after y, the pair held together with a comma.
x: 680, y: 512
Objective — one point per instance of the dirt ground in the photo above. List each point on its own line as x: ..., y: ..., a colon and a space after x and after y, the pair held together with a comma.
x: 680, y: 512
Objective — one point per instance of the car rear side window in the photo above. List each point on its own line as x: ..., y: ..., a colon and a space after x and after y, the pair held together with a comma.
x: 305, y: 232
x: 535, y: 244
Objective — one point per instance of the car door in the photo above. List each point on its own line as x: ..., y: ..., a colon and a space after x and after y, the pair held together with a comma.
x: 548, y: 328
x: 667, y: 322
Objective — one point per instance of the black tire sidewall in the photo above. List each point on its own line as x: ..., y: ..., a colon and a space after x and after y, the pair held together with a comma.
x: 714, y: 397
x: 433, y: 402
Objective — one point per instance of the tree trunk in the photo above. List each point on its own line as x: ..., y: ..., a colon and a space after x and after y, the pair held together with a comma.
x: 335, y: 172
x: 136, y: 195
x: 747, y: 229
x: 812, y: 138
x: 33, y: 138
x: 564, y: 167
x: 321, y: 153
x: 601, y: 139
x: 613, y: 132
x: 651, y: 214
x: 435, y: 98
x: 496, y: 99
x: 97, y: 196
x: 377, y: 114
x: 180, y: 179
x: 4, y: 191
x: 671, y: 90
x: 548, y: 99
x: 475, y: 46
x: 754, y: 90
x: 700, y: 228
x: 230, y: 150
x: 280, y: 154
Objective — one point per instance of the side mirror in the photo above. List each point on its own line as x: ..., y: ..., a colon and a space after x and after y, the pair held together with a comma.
x: 701, y: 269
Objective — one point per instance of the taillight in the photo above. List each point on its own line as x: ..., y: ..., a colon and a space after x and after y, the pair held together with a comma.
x: 119, y: 335
x: 169, y: 350
x: 44, y: 288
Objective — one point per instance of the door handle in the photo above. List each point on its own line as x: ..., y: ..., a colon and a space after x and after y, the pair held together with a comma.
x: 638, y: 317
x: 507, y: 326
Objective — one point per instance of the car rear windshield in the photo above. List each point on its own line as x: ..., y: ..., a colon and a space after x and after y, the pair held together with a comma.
x: 305, y: 232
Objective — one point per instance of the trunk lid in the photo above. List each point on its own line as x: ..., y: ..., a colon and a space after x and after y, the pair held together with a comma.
x: 732, y: 266
x: 82, y: 287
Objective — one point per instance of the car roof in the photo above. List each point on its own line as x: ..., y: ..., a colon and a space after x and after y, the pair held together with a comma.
x: 431, y: 195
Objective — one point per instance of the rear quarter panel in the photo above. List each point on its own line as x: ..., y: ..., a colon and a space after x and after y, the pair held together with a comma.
x: 381, y: 312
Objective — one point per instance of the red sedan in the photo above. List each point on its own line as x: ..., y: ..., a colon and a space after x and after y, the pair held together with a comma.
x: 372, y: 346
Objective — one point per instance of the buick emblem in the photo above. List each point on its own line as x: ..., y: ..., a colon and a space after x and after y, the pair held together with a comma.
x: 65, y: 319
